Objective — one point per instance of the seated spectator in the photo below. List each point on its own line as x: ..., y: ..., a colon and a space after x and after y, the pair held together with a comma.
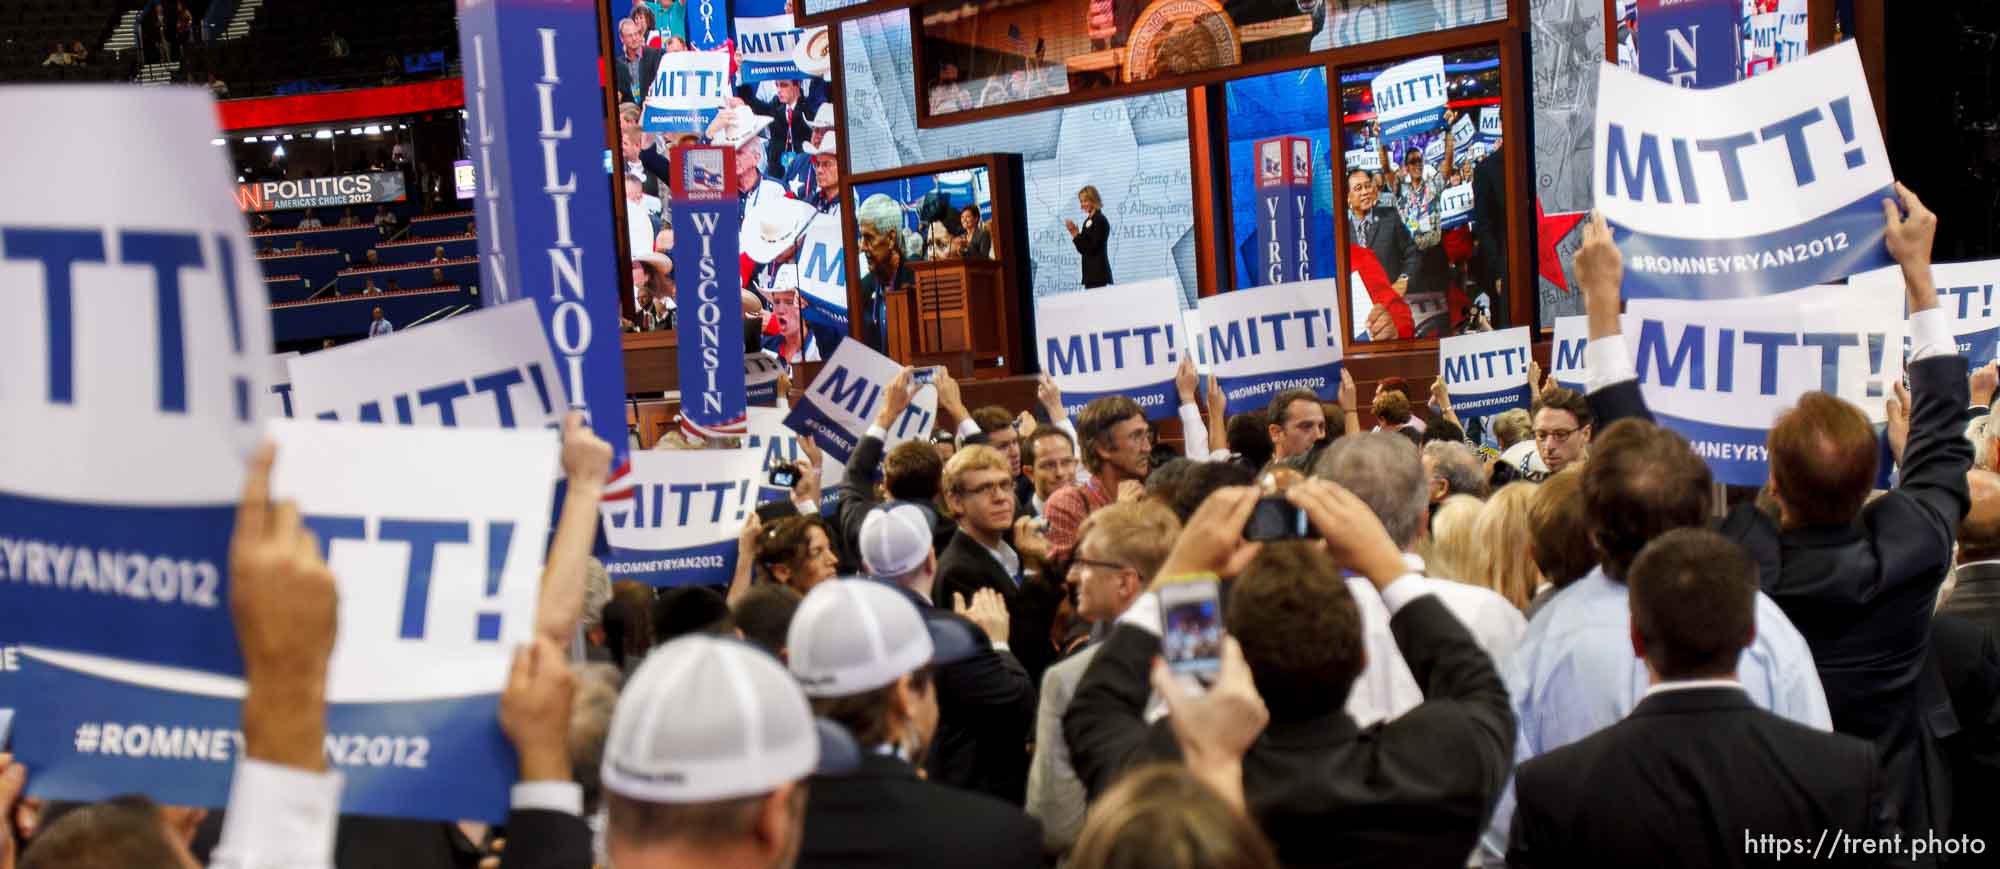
x: 1322, y: 790
x: 370, y: 259
x: 1697, y: 772
x: 1121, y: 548
x: 368, y: 286
x: 986, y: 704
x: 437, y: 254
x: 309, y: 221
x: 437, y: 278
x: 347, y: 217
x: 866, y: 657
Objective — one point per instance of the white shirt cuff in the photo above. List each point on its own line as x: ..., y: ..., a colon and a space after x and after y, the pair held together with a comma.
x: 1607, y: 362
x: 1930, y: 335
x: 1406, y: 588
x: 1144, y: 614
x: 279, y: 816
x: 1002, y: 647
x: 1194, y: 435
x: 877, y: 432
x: 548, y: 796
x: 967, y: 428
x: 1070, y: 427
x: 807, y: 506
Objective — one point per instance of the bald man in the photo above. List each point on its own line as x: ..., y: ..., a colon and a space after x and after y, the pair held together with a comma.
x: 1974, y: 593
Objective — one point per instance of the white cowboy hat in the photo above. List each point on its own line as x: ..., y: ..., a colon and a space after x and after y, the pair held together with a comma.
x: 735, y: 126
x: 772, y: 226
x: 813, y: 53
x: 822, y: 117
x: 829, y: 145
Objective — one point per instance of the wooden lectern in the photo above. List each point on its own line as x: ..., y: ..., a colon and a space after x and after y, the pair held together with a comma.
x: 959, y: 307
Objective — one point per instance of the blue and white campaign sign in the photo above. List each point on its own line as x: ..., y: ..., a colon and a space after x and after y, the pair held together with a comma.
x: 1464, y: 135
x: 1366, y: 158
x: 533, y: 98
x: 822, y: 263
x: 760, y: 379
x: 779, y: 444
x: 1720, y: 373
x: 1434, y: 152
x: 1410, y: 97
x: 435, y: 538
x: 1191, y: 325
x: 281, y: 384
x: 1116, y: 340
x: 844, y: 397
x: 765, y: 35
x: 1265, y: 340
x: 687, y: 91
x: 482, y: 369
x: 1760, y: 187
x: 1487, y: 372
x: 707, y: 219
x: 681, y: 523
x: 1566, y: 364
x: 1965, y: 294
x: 137, y: 356
x: 1489, y: 123
x: 1455, y: 206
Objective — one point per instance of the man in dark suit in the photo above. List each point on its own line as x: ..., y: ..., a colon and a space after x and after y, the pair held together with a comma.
x: 1975, y: 593
x: 1411, y: 792
x: 1696, y: 775
x: 1859, y: 578
x: 867, y: 658
x: 791, y: 113
x: 986, y: 705
x: 1380, y: 229
x: 635, y: 66
x: 1489, y: 224
x: 994, y: 550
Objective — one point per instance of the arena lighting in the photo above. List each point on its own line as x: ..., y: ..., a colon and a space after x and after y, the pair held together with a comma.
x: 288, y: 137
x: 356, y: 131
x: 249, y: 140
x: 323, y: 134
x: 215, y: 142
x: 372, y: 130
x: 269, y: 138
x: 278, y: 151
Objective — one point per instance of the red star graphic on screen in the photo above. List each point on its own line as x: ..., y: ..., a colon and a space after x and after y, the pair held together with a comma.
x: 1550, y: 230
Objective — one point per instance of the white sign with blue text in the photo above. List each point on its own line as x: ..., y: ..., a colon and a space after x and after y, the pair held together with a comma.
x: 475, y: 370
x: 1265, y: 340
x: 435, y: 539
x: 844, y: 397
x: 1487, y: 372
x: 780, y: 446
x: 136, y: 352
x: 1758, y: 187
x: 1566, y: 365
x: 1116, y: 340
x: 281, y: 384
x: 687, y: 91
x: 681, y: 524
x: 1965, y: 294
x: 1455, y: 206
x: 1410, y: 97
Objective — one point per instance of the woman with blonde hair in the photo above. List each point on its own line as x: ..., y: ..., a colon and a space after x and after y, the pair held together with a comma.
x: 1161, y: 816
x: 1451, y: 550
x: 1504, y: 561
x: 1093, y: 239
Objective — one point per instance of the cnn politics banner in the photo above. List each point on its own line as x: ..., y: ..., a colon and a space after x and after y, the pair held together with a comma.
x: 1116, y: 340
x: 1487, y: 372
x: 137, y: 352
x: 764, y: 39
x: 488, y: 368
x: 686, y: 93
x: 1566, y: 364
x: 436, y: 540
x: 1760, y: 187
x: 1410, y: 97
x: 1965, y: 294
x: 840, y: 405
x: 686, y: 511
x: 1266, y: 340
x: 363, y: 188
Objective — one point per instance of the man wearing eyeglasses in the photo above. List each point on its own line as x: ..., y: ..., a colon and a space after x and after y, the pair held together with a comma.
x: 1123, y: 547
x: 1117, y: 448
x: 993, y: 551
x: 1562, y: 428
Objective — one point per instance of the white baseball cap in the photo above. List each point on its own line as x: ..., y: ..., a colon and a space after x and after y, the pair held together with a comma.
x: 850, y: 636
x: 706, y: 718
x: 895, y: 539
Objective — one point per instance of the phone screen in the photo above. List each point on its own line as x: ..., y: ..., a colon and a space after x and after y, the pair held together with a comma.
x: 1191, y: 621
x: 1276, y: 519
x: 923, y: 374
x: 784, y: 477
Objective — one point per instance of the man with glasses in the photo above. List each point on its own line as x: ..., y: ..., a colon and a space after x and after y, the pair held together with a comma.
x: 1117, y: 448
x: 1122, y: 548
x: 991, y: 550
x: 1562, y: 428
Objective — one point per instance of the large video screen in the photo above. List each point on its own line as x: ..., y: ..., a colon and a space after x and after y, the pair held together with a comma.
x: 1289, y: 103
x: 920, y: 218
x: 678, y: 83
x: 983, y: 54
x: 1425, y: 193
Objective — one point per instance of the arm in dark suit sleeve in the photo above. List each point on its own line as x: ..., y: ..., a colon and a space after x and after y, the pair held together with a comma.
x: 542, y: 839
x: 861, y: 466
x: 1091, y: 238
x: 1615, y: 402
x: 994, y: 681
x: 1404, y: 246
x: 1461, y: 691
x: 1529, y: 842
x: 656, y: 163
x: 1105, y: 724
x: 1934, y: 464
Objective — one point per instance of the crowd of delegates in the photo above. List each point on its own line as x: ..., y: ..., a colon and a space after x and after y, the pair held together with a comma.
x: 787, y: 177
x: 954, y: 659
